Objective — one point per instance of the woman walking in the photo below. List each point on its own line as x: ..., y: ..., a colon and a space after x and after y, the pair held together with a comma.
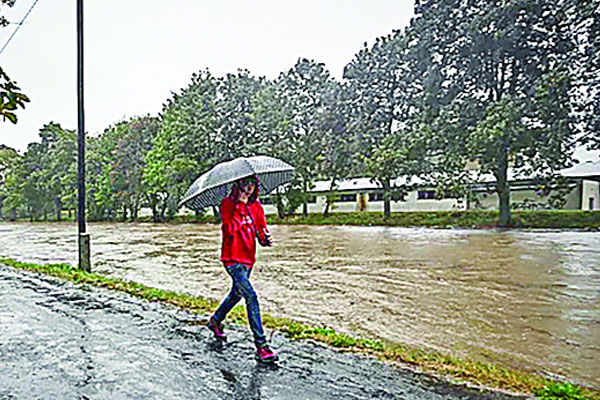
x: 243, y: 222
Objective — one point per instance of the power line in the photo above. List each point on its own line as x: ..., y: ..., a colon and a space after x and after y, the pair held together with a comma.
x: 18, y: 26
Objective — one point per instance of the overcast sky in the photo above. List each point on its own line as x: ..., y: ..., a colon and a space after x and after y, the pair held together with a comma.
x: 138, y: 52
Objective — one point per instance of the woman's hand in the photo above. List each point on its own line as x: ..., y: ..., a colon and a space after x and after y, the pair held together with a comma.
x: 267, y: 239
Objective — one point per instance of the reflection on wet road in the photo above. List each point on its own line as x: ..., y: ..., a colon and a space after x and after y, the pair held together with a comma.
x: 523, y: 299
x: 61, y: 341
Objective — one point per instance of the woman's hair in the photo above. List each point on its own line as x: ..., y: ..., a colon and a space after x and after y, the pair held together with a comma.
x: 235, y: 189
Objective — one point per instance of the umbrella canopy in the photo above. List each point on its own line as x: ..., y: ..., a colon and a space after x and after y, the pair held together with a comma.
x: 210, y: 188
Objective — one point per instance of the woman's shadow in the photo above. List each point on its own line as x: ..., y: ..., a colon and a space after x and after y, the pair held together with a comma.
x: 250, y: 390
x: 242, y: 385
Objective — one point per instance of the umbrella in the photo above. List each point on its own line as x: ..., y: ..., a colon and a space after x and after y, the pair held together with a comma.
x: 210, y: 188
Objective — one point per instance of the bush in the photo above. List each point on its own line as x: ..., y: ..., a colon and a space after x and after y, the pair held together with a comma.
x: 560, y: 391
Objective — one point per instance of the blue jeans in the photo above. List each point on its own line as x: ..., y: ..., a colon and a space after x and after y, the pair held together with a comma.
x: 241, y: 287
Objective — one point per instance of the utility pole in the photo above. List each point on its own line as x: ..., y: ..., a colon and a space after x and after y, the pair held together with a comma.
x: 84, y: 238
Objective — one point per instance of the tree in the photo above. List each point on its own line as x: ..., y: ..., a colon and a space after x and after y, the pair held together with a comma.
x: 99, y: 196
x: 383, y: 89
x: 8, y: 158
x: 184, y: 146
x: 45, y: 177
x: 9, y: 3
x: 235, y: 135
x: 584, y: 21
x: 502, y: 68
x: 337, y: 161
x: 11, y: 97
x: 303, y: 92
x: 270, y: 120
x: 126, y: 144
x: 36, y: 198
x: 60, y: 167
x: 11, y: 188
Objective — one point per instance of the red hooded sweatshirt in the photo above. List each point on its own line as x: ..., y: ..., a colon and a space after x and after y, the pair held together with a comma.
x: 239, y: 232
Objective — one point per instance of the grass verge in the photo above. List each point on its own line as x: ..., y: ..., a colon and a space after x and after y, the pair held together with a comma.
x: 453, y: 219
x: 427, y: 361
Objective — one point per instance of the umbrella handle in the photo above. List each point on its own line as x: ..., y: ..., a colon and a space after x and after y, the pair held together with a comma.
x: 265, y: 242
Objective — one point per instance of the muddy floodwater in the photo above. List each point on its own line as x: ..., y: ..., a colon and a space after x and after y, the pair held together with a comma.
x: 524, y: 299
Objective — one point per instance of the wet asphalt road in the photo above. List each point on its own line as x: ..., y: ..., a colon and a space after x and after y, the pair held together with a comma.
x: 62, y: 341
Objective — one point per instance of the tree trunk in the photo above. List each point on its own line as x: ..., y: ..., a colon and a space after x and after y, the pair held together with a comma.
x: 216, y: 213
x: 503, y: 188
x: 327, y: 199
x: 154, y: 213
x: 304, y: 201
x: 58, y: 205
x: 164, y: 206
x: 279, y: 205
x: 387, y: 207
x: 153, y: 203
x: 134, y: 209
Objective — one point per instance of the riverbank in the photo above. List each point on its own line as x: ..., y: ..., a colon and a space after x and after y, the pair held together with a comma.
x: 466, y: 371
x: 585, y: 220
x: 455, y: 219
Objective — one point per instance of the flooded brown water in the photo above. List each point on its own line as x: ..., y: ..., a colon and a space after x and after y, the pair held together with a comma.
x: 525, y: 299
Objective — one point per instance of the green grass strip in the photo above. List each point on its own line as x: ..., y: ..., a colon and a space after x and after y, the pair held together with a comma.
x: 427, y: 361
x: 453, y: 219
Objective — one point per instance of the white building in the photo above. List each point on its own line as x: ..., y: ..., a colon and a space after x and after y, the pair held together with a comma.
x: 361, y: 194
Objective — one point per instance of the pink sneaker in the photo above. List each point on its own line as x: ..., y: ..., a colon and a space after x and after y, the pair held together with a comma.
x: 216, y: 329
x: 266, y: 355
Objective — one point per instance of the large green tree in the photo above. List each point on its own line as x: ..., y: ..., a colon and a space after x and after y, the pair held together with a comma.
x: 338, y: 146
x: 305, y: 92
x: 502, y: 69
x: 60, y: 167
x: 382, y: 115
x: 585, y: 23
x: 235, y: 135
x: 117, y: 187
x: 270, y: 121
x: 36, y: 197
x: 44, y: 180
x: 184, y: 147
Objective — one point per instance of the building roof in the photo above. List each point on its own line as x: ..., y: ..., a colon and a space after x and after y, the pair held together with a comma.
x: 587, y: 169
x: 356, y: 184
